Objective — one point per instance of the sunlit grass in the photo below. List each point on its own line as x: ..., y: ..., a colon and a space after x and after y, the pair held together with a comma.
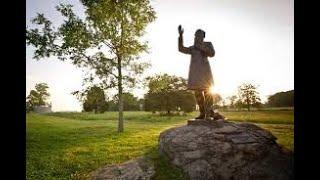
x: 70, y: 145
x: 266, y: 117
x: 283, y: 132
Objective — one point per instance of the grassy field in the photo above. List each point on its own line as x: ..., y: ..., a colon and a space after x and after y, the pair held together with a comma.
x: 70, y: 145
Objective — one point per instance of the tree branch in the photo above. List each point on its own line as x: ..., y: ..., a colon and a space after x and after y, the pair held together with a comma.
x: 93, y: 65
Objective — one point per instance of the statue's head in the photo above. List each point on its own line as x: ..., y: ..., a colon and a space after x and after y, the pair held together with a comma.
x: 199, y: 35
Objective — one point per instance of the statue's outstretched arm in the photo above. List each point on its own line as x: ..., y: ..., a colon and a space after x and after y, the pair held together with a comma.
x: 181, y: 48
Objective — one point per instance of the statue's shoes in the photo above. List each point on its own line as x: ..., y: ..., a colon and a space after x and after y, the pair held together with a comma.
x: 200, y: 117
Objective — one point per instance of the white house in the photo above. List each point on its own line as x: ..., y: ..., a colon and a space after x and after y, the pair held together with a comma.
x: 43, y: 109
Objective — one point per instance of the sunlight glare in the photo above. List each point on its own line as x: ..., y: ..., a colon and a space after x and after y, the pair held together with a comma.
x: 211, y: 90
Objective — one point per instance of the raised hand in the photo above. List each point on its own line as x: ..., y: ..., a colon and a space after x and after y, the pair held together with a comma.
x: 180, y: 30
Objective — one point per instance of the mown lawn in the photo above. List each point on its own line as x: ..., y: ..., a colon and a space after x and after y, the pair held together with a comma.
x: 265, y: 117
x: 70, y: 145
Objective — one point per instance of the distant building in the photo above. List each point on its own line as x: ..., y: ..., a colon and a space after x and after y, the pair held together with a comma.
x: 43, y: 109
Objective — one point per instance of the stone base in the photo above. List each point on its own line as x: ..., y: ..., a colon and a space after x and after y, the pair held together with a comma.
x: 238, y: 151
x: 205, y: 122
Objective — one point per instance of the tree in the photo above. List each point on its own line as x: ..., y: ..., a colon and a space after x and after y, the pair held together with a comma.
x: 186, y: 101
x: 248, y: 95
x: 238, y: 104
x: 106, y: 42
x: 232, y: 100
x: 130, y: 102
x: 281, y: 99
x: 32, y: 100
x: 42, y: 90
x: 37, y: 97
x: 94, y: 100
x: 168, y: 93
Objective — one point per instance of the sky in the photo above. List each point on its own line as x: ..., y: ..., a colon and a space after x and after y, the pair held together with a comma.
x: 253, y: 40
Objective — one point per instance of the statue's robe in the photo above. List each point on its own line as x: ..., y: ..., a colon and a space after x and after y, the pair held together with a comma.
x: 200, y: 75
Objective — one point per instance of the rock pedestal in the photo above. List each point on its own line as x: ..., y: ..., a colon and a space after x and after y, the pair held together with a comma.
x: 221, y: 150
x: 214, y: 123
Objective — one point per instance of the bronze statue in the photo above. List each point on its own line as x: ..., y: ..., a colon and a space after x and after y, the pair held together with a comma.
x: 200, y: 76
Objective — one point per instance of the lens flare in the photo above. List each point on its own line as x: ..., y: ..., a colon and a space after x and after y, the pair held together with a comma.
x: 211, y: 90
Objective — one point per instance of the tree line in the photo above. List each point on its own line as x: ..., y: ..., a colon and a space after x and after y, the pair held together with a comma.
x: 167, y: 94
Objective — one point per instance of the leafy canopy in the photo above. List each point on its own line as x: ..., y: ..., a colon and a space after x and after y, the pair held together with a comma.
x: 37, y: 96
x: 281, y: 99
x: 94, y: 100
x: 104, y: 41
x: 248, y: 95
x: 168, y: 93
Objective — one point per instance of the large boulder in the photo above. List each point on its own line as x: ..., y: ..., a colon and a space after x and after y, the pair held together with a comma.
x: 221, y: 150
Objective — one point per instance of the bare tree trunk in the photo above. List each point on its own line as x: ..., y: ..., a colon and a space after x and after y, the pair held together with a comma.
x: 120, y: 121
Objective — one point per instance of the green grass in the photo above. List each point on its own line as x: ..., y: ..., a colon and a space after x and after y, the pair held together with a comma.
x: 283, y: 132
x: 266, y: 117
x: 70, y: 145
